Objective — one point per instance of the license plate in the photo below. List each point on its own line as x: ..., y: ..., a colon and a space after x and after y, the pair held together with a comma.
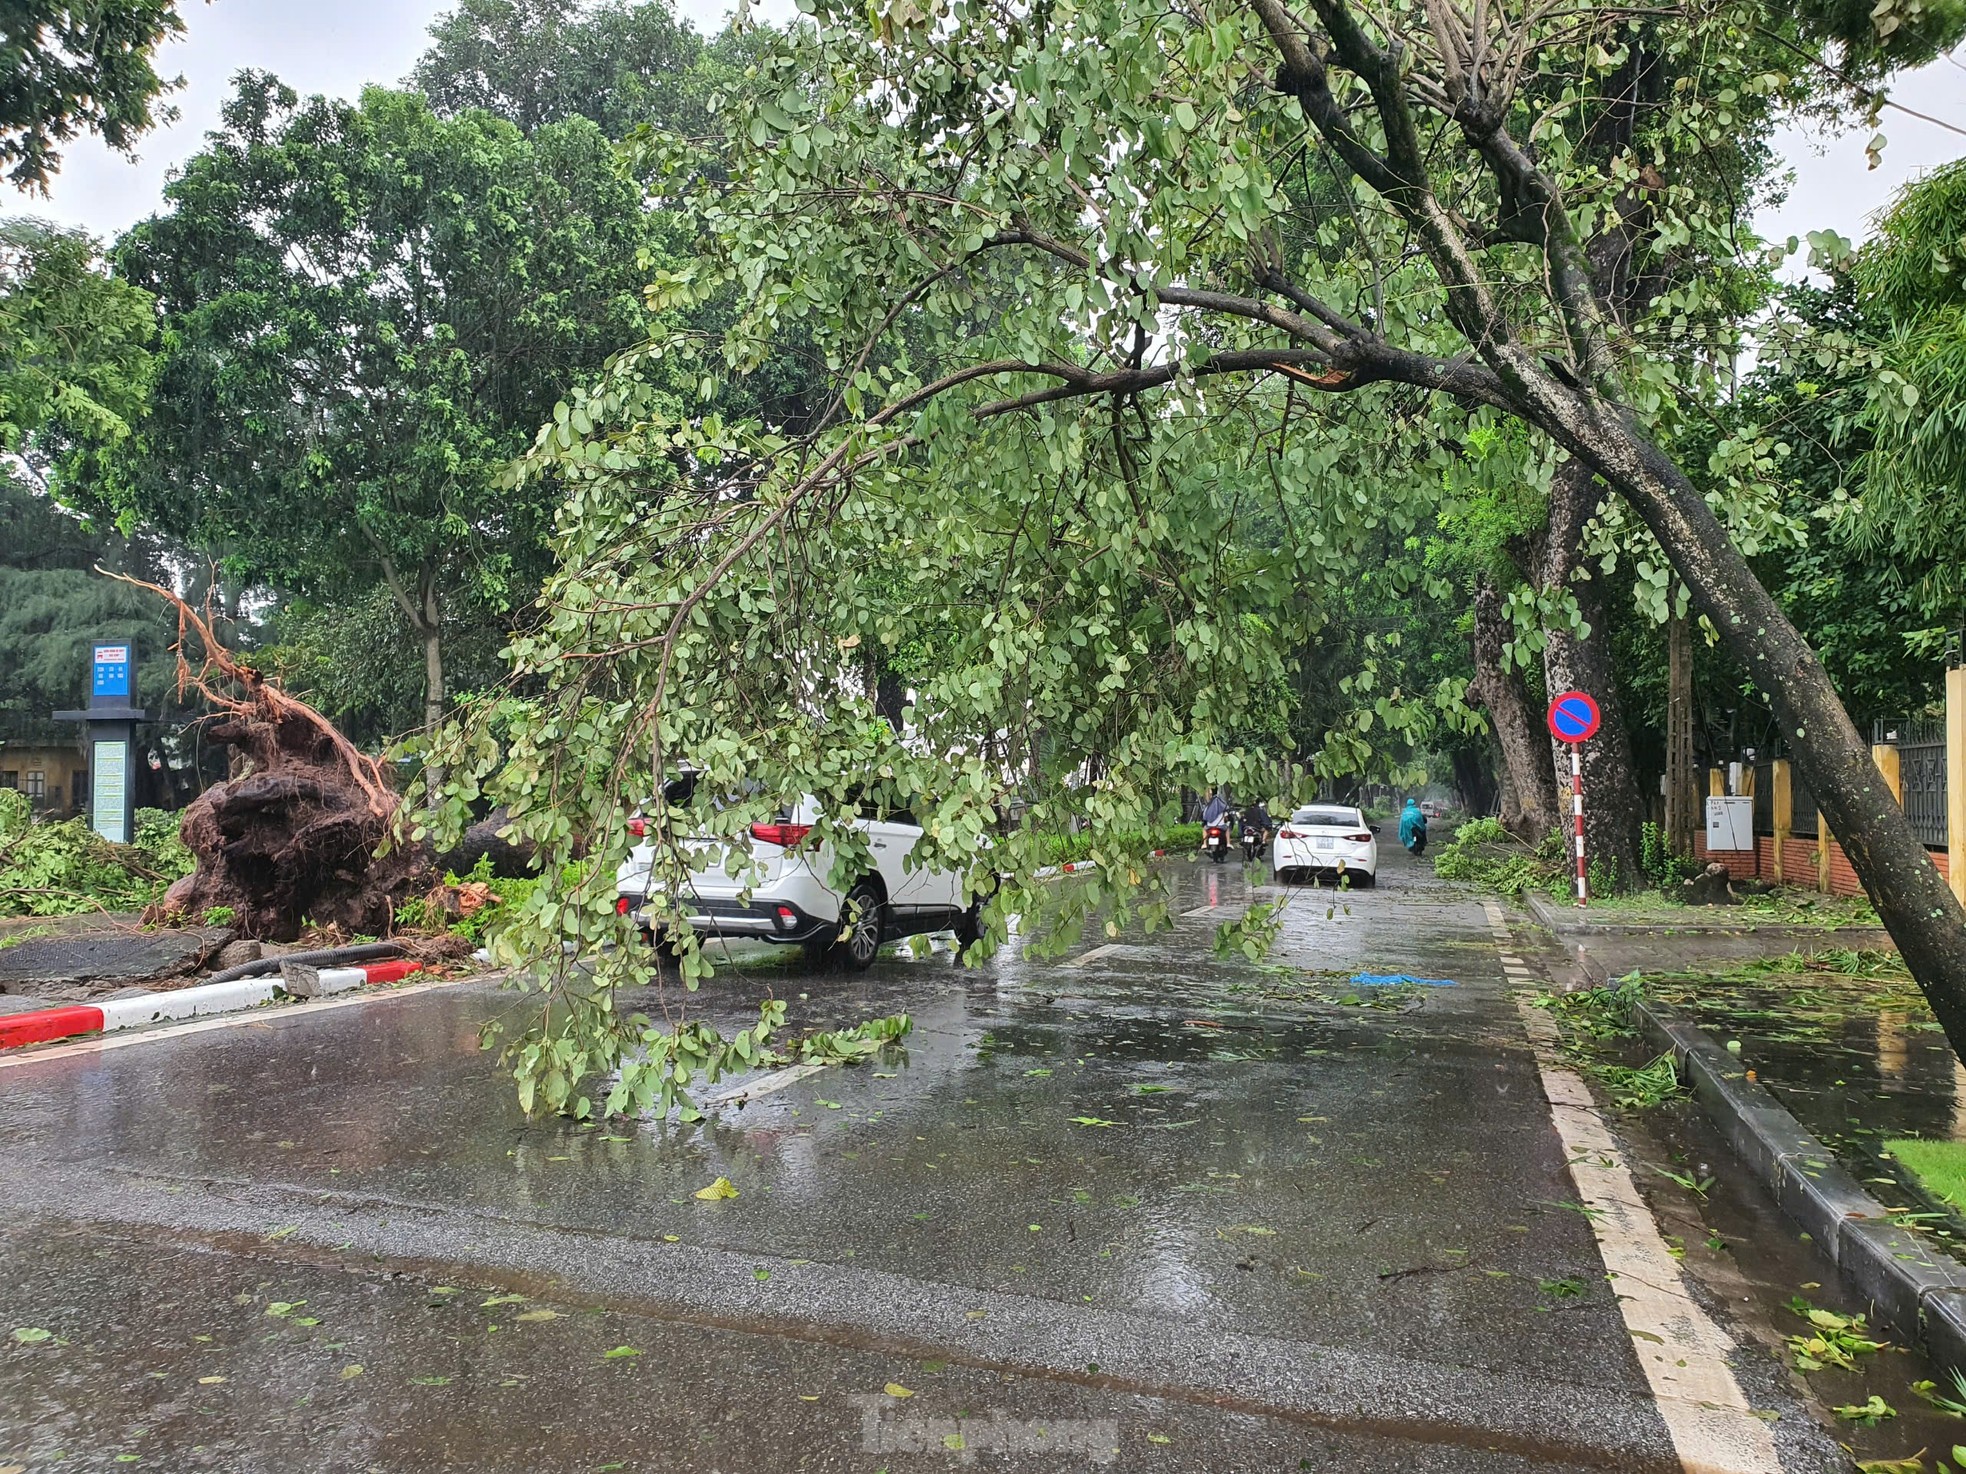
x: 1327, y: 844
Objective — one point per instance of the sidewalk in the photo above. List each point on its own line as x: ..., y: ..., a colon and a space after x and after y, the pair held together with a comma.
x: 1606, y: 947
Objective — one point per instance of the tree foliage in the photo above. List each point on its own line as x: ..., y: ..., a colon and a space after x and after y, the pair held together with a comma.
x: 69, y: 66
x: 75, y: 344
x: 368, y: 310
x: 535, y: 62
x: 1910, y: 286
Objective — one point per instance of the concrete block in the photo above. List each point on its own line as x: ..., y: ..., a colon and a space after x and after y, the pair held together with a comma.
x: 210, y: 998
x: 1823, y: 1199
x: 1756, y: 1125
x: 1942, y: 1326
x: 1895, y: 1270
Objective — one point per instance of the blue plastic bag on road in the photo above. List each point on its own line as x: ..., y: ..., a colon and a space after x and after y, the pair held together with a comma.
x: 1397, y: 979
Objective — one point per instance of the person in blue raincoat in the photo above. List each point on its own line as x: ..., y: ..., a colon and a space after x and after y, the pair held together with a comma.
x: 1413, y: 827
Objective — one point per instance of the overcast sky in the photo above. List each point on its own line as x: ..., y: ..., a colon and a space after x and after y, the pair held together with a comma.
x: 336, y: 48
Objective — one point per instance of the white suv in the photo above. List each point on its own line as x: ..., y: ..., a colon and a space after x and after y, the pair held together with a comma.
x: 791, y: 900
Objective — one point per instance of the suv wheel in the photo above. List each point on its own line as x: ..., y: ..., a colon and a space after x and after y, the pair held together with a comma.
x: 856, y: 942
x: 866, y: 914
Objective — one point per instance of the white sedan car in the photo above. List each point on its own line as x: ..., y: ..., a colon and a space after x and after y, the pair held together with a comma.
x: 1326, y: 840
x: 790, y: 899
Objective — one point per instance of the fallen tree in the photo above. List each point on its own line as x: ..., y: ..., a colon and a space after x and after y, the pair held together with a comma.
x: 302, y: 835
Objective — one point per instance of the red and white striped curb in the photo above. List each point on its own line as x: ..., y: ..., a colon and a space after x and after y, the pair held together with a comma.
x: 44, y: 1024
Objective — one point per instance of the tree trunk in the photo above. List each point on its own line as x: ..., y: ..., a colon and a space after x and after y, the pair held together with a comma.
x: 430, y: 628
x: 433, y: 678
x: 1525, y: 759
x: 1474, y: 782
x: 1613, y: 812
x: 1915, y: 905
x: 1682, y: 791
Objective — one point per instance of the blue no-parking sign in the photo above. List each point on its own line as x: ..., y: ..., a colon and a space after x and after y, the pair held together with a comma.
x: 1573, y: 717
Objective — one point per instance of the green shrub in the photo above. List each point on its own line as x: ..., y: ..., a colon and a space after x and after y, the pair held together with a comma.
x: 1483, y: 853
x: 1664, y: 869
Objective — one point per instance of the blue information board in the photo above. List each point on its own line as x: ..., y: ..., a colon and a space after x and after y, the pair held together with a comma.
x: 112, y: 671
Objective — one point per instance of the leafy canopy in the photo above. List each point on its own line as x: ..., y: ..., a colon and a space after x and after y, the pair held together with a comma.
x: 69, y: 66
x: 368, y: 311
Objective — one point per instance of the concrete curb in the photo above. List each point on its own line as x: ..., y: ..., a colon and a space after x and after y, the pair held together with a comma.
x: 44, y: 1025
x: 1921, y: 1292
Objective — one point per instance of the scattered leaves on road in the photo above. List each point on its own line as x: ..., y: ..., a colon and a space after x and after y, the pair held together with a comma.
x: 32, y: 1335
x: 1867, y: 1414
x: 619, y: 1352
x: 533, y: 1316
x: 1093, y: 1121
x: 350, y: 1372
x: 717, y: 1191
x: 895, y: 1389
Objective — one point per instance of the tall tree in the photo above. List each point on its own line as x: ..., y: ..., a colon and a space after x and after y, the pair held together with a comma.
x: 1074, y: 270
x: 69, y: 66
x: 75, y: 345
x: 1910, y: 287
x: 368, y: 312
x: 534, y: 62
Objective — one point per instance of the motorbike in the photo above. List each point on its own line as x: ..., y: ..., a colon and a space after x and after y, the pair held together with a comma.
x: 1215, y: 839
x: 1252, y: 841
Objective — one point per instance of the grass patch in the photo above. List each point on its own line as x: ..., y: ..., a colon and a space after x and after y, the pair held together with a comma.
x: 1788, y: 906
x: 1939, y: 1166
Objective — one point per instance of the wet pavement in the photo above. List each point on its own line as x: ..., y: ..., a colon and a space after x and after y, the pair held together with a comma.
x: 1138, y: 1207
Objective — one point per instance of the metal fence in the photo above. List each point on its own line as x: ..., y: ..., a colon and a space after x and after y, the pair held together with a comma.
x: 1921, y: 744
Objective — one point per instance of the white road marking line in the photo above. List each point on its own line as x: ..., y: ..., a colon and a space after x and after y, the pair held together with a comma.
x: 1683, y: 1353
x: 1204, y: 910
x: 764, y: 1085
x: 1095, y: 954
x: 271, y: 1013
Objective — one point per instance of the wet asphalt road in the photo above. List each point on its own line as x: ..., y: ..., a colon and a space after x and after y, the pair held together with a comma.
x: 1316, y: 1234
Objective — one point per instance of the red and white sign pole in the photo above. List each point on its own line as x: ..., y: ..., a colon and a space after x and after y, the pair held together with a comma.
x: 1574, y: 718
x: 1577, y: 809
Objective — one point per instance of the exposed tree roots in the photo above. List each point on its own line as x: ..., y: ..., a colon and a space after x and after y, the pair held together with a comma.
x: 296, y: 838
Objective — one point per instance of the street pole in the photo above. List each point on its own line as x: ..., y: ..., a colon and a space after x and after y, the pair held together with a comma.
x: 1577, y: 810
x: 1574, y: 719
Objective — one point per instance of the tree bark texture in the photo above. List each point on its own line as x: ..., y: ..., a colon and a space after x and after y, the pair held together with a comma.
x: 1613, y: 810
x: 1533, y: 812
x: 1682, y: 789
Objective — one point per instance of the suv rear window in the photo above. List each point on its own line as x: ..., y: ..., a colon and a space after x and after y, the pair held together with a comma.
x: 1336, y: 818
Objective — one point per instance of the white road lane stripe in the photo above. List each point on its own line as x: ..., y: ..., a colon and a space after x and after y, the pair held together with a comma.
x: 1204, y: 910
x: 1685, y: 1355
x: 764, y: 1085
x: 1094, y: 955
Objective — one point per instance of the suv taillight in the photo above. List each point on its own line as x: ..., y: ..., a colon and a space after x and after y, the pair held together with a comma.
x: 638, y: 827
x: 787, y: 835
x: 1358, y: 838
x: 1286, y: 833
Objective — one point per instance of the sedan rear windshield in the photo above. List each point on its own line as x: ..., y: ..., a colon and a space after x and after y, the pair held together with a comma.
x: 1331, y: 818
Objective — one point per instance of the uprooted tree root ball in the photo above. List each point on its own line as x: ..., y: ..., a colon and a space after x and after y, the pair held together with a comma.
x: 296, y: 838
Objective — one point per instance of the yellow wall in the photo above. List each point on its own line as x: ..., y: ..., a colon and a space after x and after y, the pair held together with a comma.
x: 59, y: 768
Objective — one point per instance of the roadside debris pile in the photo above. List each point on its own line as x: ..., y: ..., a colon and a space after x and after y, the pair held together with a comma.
x: 65, y: 869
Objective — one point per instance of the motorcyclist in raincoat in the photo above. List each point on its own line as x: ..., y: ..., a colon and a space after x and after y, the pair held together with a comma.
x: 1413, y: 827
